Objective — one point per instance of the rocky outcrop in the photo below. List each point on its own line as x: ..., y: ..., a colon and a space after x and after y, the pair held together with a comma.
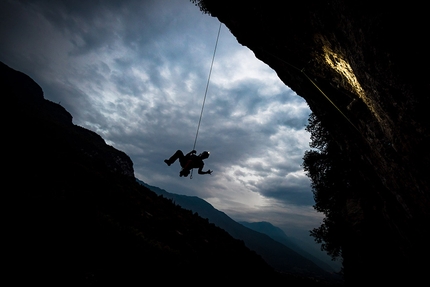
x: 46, y: 127
x: 361, y: 67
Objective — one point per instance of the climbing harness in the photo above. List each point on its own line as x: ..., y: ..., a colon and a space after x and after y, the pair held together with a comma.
x: 206, y: 92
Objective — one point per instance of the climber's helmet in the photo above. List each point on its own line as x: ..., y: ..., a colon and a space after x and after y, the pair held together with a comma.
x: 204, y: 155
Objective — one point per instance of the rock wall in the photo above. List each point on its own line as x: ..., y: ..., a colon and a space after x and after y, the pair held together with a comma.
x: 361, y: 67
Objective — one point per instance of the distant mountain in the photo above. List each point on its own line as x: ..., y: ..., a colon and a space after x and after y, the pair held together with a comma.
x: 279, y: 235
x: 278, y: 255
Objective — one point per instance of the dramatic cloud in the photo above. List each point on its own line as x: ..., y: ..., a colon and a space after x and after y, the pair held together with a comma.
x: 136, y: 71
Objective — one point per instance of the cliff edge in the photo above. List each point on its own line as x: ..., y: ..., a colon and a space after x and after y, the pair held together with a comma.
x: 361, y: 67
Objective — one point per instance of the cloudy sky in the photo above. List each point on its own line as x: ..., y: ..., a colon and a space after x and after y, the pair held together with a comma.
x: 135, y: 72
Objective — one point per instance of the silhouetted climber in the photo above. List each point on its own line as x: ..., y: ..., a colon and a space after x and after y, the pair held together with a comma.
x: 189, y: 161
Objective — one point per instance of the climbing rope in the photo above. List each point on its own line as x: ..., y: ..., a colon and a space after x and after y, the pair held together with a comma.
x: 206, y: 92
x: 207, y: 86
x: 316, y: 86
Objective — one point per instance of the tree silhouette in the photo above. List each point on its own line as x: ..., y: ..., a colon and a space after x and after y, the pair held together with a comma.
x: 329, y: 173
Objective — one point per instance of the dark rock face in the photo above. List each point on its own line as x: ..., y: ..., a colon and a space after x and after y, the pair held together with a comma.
x: 361, y: 67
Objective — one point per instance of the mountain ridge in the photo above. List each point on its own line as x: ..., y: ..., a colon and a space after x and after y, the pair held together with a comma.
x: 279, y: 235
x: 277, y: 254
